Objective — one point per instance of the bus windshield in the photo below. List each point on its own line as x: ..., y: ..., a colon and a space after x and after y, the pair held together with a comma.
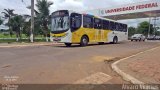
x: 60, y: 23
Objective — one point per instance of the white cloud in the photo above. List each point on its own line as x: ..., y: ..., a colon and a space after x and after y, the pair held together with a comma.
x: 67, y: 4
x: 17, y: 5
x: 76, y: 5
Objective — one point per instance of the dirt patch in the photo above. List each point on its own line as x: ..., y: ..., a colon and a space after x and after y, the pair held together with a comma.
x: 6, y: 66
x: 111, y: 60
x: 102, y: 58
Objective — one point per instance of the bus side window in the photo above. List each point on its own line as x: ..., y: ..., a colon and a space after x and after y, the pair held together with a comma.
x: 87, y: 21
x: 125, y: 28
x: 117, y: 26
x: 112, y: 25
x: 75, y: 21
x: 120, y: 27
x: 97, y: 23
x: 105, y: 24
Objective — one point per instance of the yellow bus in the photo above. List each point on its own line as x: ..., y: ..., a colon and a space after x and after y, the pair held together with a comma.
x: 69, y: 27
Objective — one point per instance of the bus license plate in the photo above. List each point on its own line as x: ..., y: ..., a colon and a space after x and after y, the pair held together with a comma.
x: 57, y: 39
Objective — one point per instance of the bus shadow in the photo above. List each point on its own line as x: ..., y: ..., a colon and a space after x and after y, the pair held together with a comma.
x: 89, y: 45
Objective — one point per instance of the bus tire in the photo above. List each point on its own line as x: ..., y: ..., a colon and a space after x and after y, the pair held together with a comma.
x: 84, y: 41
x: 115, y: 40
x: 68, y: 44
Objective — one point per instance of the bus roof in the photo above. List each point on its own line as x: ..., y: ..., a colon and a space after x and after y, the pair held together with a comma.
x: 71, y: 11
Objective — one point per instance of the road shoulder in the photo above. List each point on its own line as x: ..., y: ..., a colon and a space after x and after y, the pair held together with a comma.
x: 140, y: 68
x: 6, y: 45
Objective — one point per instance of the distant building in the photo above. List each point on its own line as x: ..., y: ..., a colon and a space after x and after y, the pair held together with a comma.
x: 26, y: 17
x: 4, y: 29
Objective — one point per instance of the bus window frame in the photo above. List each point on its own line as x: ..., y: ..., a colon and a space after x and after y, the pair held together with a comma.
x: 52, y: 16
x: 100, y: 27
x: 103, y: 24
x: 112, y: 27
x: 117, y: 26
x: 72, y: 28
x: 121, y: 27
x: 92, y: 19
x: 125, y: 28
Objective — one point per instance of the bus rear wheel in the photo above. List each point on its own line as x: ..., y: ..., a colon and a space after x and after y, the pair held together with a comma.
x: 115, y: 40
x: 84, y: 41
x: 68, y: 44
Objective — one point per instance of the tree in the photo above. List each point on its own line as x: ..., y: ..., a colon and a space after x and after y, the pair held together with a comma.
x: 143, y: 28
x: 8, y: 13
x: 26, y: 29
x: 1, y: 21
x: 43, y: 15
x: 26, y: 25
x: 16, y: 23
x: 131, y: 31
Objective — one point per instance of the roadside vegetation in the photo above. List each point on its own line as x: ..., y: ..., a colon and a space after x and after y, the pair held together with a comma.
x: 143, y: 28
x: 1, y: 21
x: 20, y: 25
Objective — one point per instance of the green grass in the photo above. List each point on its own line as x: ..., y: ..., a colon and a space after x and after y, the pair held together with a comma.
x: 8, y: 36
x: 7, y: 41
x: 22, y: 40
x: 14, y: 36
x: 5, y: 38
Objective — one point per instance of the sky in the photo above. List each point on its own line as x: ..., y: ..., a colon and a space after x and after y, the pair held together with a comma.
x: 80, y: 5
x: 76, y: 5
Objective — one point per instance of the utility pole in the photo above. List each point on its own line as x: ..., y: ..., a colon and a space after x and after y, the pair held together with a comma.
x: 149, y: 27
x: 155, y: 19
x: 32, y: 21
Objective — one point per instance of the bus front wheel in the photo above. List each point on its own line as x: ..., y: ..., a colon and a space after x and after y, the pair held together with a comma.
x: 68, y: 44
x: 84, y: 41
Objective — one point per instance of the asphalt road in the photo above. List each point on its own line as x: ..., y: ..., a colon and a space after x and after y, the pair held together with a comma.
x: 57, y: 64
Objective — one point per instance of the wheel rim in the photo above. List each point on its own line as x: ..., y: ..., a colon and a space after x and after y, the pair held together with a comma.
x: 85, y: 41
x: 115, y: 40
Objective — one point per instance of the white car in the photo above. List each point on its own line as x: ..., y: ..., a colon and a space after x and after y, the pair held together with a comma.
x: 138, y: 37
